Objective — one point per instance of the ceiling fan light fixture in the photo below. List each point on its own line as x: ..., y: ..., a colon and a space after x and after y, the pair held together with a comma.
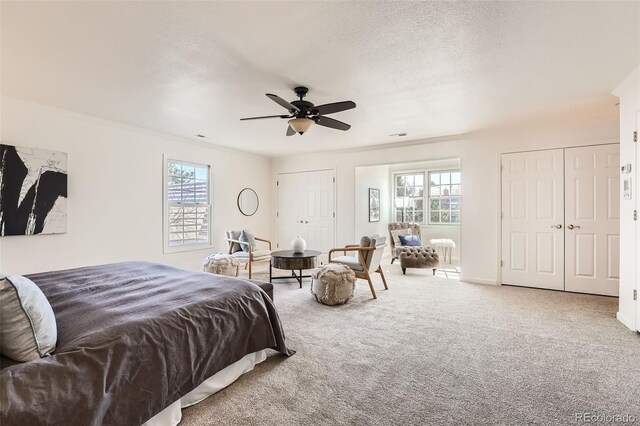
x: 300, y: 125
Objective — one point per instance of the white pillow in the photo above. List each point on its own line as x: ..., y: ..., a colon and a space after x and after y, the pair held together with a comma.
x: 247, y: 237
x: 28, y: 328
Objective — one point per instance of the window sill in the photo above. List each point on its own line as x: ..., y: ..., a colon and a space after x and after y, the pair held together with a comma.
x: 190, y: 247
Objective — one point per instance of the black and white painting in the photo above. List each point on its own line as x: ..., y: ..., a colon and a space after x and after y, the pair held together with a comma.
x: 374, y: 205
x: 33, y: 191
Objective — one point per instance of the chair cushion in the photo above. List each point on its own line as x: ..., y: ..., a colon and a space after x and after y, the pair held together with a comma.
x: 368, y: 241
x: 257, y: 254
x: 247, y: 237
x: 350, y: 261
x: 410, y: 240
x: 418, y: 257
x: 442, y: 242
x: 396, y: 235
x: 233, y: 235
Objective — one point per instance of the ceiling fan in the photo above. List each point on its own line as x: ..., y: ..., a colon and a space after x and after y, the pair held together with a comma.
x: 302, y: 114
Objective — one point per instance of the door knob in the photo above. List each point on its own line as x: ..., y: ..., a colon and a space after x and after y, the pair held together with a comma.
x: 572, y: 227
x: 558, y: 226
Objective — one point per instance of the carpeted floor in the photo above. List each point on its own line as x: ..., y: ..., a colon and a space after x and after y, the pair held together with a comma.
x: 432, y: 350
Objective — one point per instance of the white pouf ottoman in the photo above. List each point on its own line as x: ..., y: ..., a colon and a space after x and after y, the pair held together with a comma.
x: 443, y: 244
x: 333, y: 284
x: 222, y: 264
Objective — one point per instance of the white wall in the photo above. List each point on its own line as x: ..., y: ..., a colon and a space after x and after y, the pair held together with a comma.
x: 480, y: 156
x: 107, y: 223
x: 365, y: 178
x: 629, y: 94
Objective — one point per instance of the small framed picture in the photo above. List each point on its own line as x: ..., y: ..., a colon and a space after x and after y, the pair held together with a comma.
x: 374, y: 205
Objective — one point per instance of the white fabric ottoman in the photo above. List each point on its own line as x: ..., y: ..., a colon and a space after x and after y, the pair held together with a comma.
x: 333, y: 284
x: 443, y: 244
x: 222, y: 264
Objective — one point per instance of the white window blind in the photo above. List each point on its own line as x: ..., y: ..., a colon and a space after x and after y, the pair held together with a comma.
x: 188, y: 207
x: 444, y: 197
x: 409, y: 197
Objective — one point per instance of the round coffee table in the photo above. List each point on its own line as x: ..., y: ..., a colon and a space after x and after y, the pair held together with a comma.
x: 288, y: 260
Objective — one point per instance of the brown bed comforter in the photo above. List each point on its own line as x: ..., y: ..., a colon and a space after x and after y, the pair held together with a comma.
x: 133, y: 338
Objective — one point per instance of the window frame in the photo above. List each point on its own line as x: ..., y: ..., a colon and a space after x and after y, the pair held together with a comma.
x: 166, y: 205
x: 450, y: 171
x: 395, y: 189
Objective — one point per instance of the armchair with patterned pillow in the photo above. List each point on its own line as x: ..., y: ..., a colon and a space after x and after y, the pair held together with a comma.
x: 366, y: 259
x: 244, y: 247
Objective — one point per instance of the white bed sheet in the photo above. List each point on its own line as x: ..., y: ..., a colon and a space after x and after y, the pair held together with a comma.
x: 172, y: 415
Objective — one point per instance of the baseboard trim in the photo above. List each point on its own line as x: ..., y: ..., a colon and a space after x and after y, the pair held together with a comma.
x: 478, y: 281
x: 626, y: 321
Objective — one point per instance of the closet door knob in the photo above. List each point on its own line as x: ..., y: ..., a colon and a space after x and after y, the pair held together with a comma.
x: 558, y: 226
x: 573, y: 227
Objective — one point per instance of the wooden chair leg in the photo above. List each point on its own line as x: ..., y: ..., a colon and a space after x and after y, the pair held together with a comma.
x: 404, y: 271
x: 384, y: 281
x: 373, y: 291
x: 245, y: 266
x: 392, y: 259
x: 434, y: 271
x: 250, y: 270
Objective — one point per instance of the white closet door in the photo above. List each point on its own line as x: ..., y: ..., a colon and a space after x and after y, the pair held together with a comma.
x: 306, y: 209
x: 319, y: 199
x: 290, y: 208
x: 634, y: 195
x: 532, y: 219
x: 592, y: 219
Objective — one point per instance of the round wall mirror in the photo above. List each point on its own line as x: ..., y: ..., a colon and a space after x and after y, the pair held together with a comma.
x: 248, y: 202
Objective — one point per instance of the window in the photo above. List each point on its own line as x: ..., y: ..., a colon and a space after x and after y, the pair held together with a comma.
x: 187, y: 205
x: 444, y: 197
x: 409, y: 197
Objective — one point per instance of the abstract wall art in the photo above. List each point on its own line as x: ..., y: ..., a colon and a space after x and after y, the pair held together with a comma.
x: 374, y: 205
x: 33, y: 191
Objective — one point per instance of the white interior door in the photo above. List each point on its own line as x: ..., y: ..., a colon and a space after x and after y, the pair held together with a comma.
x: 319, y: 199
x: 532, y: 219
x: 634, y: 195
x: 289, y: 208
x: 306, y: 203
x: 592, y: 219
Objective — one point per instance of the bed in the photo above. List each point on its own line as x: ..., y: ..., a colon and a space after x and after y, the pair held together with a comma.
x: 133, y: 339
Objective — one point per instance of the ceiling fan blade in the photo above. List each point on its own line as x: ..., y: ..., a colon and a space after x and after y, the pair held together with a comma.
x: 264, y: 116
x: 330, y: 122
x: 282, y: 102
x: 290, y: 131
x: 334, y: 107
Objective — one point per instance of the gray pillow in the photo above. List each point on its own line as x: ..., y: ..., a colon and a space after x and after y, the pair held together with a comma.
x: 247, y: 237
x: 234, y: 236
x: 28, y: 328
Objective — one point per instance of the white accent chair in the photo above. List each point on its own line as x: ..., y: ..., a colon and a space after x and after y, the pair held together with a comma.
x: 366, y: 261
x: 248, y: 258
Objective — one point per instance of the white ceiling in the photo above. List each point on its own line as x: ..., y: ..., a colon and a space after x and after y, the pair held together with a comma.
x: 428, y: 69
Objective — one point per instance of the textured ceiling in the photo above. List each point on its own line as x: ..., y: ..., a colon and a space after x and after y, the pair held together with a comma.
x: 428, y: 69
